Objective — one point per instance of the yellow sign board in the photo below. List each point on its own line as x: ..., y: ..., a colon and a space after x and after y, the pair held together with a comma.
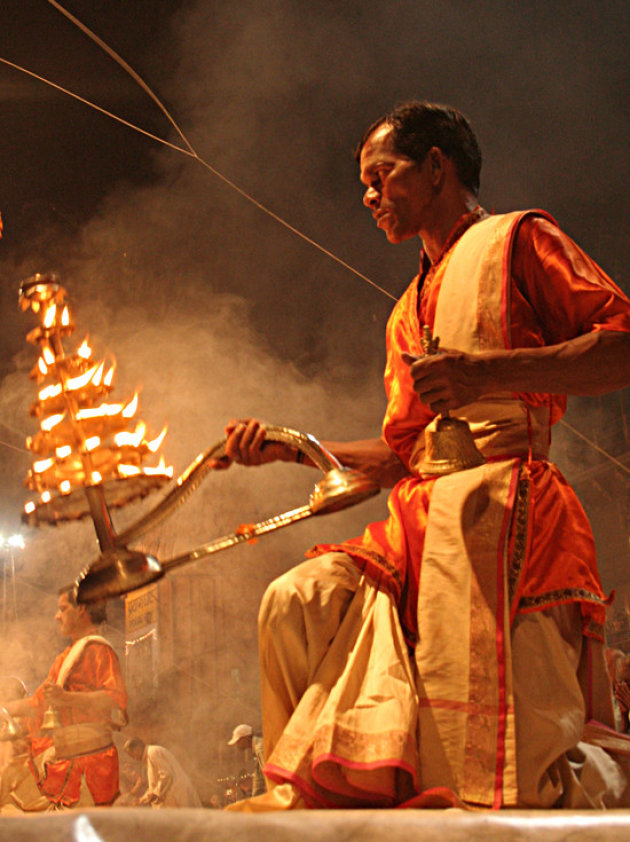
x: 141, y: 609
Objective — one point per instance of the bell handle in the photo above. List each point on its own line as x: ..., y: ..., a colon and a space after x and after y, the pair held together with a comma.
x: 198, y: 470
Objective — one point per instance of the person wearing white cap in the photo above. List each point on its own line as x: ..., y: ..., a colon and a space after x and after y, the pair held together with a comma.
x: 243, y: 737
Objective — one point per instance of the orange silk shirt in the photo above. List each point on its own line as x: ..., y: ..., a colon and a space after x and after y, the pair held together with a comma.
x: 554, y: 292
x: 98, y: 668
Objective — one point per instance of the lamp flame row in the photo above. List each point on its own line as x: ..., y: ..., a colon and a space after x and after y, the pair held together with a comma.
x: 83, y: 439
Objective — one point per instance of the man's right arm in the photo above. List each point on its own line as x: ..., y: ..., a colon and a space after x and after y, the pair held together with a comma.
x: 20, y: 707
x: 247, y: 445
x: 371, y: 456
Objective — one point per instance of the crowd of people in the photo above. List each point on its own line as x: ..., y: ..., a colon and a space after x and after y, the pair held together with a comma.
x: 372, y: 696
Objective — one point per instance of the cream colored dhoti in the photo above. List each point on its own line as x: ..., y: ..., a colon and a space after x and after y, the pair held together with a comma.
x: 340, y: 701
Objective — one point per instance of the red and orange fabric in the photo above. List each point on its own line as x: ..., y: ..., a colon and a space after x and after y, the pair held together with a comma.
x: 97, y: 669
x: 552, y: 292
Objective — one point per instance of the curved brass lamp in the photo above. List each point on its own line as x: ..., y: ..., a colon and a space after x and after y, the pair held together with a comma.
x: 119, y: 570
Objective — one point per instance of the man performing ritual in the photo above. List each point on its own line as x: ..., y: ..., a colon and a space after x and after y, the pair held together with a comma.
x: 76, y: 763
x: 453, y: 653
x: 167, y: 783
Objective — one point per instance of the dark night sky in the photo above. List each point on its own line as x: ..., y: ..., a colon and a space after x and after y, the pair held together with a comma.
x: 198, y: 291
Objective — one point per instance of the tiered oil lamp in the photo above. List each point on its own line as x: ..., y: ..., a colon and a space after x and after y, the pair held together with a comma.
x: 88, y: 461
x: 85, y: 452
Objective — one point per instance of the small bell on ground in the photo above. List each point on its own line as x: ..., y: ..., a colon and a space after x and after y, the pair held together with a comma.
x: 450, y: 445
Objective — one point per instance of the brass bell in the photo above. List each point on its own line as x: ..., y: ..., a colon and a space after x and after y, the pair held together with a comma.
x: 450, y: 445
x: 50, y: 720
x: 9, y: 728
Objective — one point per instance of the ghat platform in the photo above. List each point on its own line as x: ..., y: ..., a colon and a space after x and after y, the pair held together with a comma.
x: 199, y: 825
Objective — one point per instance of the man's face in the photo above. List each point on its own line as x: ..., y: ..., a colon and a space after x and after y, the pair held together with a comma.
x: 70, y: 617
x: 398, y: 192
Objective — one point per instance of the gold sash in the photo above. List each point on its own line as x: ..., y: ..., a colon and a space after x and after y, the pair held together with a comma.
x: 81, y: 738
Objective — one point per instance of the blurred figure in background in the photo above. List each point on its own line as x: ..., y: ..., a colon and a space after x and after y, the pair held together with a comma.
x: 167, y: 783
x: 132, y: 786
x: 618, y: 664
x: 71, y: 717
x: 251, y: 745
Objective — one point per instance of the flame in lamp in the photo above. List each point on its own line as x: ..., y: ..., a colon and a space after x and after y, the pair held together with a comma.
x: 83, y: 449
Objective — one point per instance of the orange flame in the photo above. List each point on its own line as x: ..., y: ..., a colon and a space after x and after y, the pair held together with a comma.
x: 128, y: 470
x: 84, y: 350
x: 98, y: 376
x: 82, y: 380
x: 131, y: 439
x: 49, y: 316
x: 154, y: 445
x: 50, y: 392
x: 105, y: 409
x: 48, y: 423
x: 160, y: 469
x: 130, y: 410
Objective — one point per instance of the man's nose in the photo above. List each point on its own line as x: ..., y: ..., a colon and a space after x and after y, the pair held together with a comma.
x: 370, y: 197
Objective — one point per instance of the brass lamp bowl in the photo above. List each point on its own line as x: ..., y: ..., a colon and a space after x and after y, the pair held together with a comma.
x: 115, y: 573
x: 120, y: 570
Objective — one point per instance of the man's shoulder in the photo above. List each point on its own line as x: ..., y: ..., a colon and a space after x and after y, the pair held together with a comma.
x: 158, y: 751
x: 95, y: 643
x: 511, y: 219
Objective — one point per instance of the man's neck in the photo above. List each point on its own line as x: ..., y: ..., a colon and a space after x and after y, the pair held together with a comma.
x: 448, y: 212
x: 84, y: 632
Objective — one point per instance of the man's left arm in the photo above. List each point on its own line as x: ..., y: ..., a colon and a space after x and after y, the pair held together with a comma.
x: 89, y: 700
x: 591, y: 364
x: 583, y: 326
x: 160, y: 775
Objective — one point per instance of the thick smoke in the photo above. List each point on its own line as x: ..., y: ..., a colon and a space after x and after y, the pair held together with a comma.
x: 218, y: 311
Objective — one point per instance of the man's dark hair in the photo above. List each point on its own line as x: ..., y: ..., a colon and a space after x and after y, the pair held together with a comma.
x: 134, y: 744
x: 97, y: 611
x: 417, y: 126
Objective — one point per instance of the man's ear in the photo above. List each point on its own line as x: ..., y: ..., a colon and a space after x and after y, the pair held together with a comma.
x: 436, y: 159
